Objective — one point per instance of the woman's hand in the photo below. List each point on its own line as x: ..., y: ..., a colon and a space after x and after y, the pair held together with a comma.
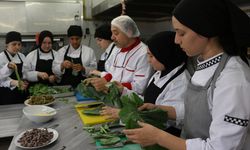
x: 52, y: 79
x: 110, y: 112
x: 66, y: 64
x: 119, y: 86
x: 12, y: 65
x: 99, y: 84
x: 23, y: 84
x: 43, y: 75
x: 145, y: 136
x: 147, y: 106
x: 95, y: 72
x: 77, y: 67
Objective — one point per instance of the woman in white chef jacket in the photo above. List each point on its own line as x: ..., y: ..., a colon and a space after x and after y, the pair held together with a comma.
x: 12, y: 59
x: 168, y: 84
x: 74, y: 61
x: 129, y: 64
x: 217, y: 108
x: 37, y: 66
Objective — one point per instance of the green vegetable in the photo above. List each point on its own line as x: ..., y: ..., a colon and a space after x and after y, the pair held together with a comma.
x: 95, y: 111
x: 104, y: 134
x: 110, y: 141
x: 42, y: 89
x: 19, y: 80
x: 112, y: 98
x: 130, y: 115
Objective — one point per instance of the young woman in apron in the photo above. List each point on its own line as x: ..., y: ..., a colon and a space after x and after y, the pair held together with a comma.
x: 38, y: 63
x: 74, y: 61
x: 168, y: 84
x: 217, y: 104
x: 12, y: 91
x: 103, y: 39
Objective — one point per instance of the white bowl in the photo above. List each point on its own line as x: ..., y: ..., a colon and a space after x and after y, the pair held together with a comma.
x: 39, y: 113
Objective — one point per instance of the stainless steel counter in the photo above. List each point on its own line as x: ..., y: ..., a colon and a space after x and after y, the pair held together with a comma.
x: 10, y: 116
x: 71, y: 135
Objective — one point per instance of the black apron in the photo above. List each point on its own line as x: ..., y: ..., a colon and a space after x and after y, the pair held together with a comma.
x: 68, y: 78
x: 44, y: 66
x: 153, y: 91
x: 101, y: 63
x: 14, y: 96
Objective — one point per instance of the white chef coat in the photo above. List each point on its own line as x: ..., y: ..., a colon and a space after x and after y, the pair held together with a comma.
x: 5, y: 72
x: 5, y: 82
x: 229, y: 106
x: 29, y: 65
x: 173, y: 94
x: 88, y: 58
x: 131, y: 66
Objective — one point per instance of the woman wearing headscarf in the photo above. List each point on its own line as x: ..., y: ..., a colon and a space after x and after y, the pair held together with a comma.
x: 12, y: 91
x: 168, y: 84
x: 103, y: 39
x: 75, y: 60
x: 217, y: 108
x: 37, y: 66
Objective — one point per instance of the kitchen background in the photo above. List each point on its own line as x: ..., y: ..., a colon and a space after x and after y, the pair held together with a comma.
x: 32, y: 16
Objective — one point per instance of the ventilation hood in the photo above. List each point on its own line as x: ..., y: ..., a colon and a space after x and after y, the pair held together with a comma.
x: 147, y: 10
x: 151, y: 10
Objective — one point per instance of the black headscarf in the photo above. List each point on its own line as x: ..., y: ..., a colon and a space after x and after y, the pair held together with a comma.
x: 42, y: 36
x: 103, y: 32
x: 221, y: 18
x: 13, y: 36
x: 162, y: 46
x: 74, y: 30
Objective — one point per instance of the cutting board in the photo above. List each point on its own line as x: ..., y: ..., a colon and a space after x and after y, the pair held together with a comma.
x: 89, y: 119
x: 80, y: 97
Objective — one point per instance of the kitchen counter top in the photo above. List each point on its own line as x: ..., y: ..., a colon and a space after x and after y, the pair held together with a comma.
x: 10, y: 116
x: 71, y: 134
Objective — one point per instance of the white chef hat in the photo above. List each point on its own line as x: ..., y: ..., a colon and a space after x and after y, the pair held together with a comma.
x: 126, y: 25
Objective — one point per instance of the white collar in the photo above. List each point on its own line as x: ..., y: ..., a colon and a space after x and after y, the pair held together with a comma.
x: 72, y: 48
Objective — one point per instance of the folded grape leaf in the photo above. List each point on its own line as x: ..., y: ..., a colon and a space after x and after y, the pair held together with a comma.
x: 130, y: 115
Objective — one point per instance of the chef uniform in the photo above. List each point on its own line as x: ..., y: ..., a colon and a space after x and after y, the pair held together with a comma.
x: 217, y: 108
x: 39, y: 61
x: 104, y: 32
x: 9, y: 94
x: 83, y: 55
x: 168, y: 87
x: 129, y: 65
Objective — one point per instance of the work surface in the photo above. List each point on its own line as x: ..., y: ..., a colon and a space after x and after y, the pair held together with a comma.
x: 71, y: 135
